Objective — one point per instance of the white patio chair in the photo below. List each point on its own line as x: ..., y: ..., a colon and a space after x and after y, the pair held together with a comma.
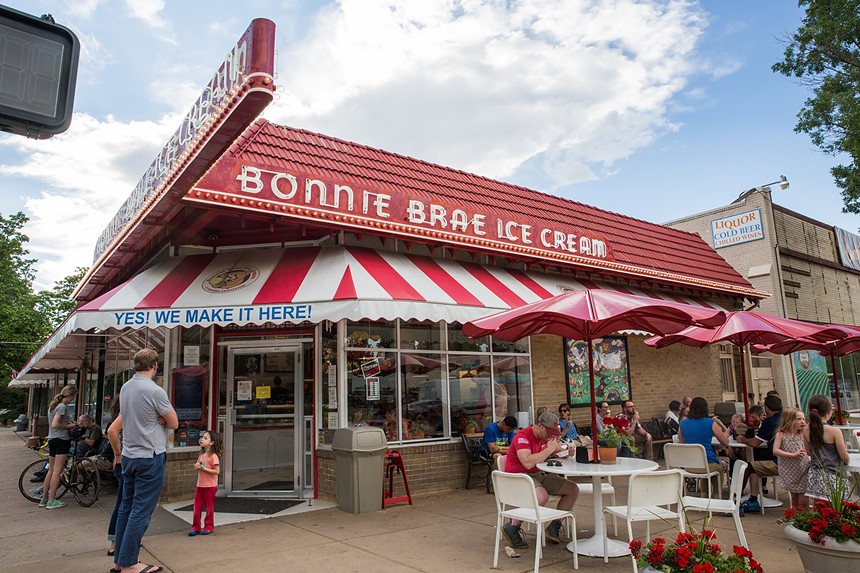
x: 851, y: 441
x: 516, y: 499
x: 649, y: 496
x: 692, y: 460
x: 728, y: 506
x: 500, y: 462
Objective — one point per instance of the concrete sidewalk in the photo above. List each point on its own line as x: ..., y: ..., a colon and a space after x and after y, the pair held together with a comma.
x: 440, y: 533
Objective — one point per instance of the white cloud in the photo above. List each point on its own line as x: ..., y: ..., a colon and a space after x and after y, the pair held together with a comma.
x: 87, y: 173
x: 576, y: 85
x: 150, y: 13
x: 488, y: 86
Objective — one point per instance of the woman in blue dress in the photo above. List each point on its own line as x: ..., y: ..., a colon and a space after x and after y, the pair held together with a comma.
x: 699, y: 428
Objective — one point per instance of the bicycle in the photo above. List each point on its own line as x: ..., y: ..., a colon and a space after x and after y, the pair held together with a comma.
x: 81, y: 475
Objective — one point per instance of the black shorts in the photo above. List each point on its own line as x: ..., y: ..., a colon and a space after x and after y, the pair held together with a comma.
x: 59, y: 447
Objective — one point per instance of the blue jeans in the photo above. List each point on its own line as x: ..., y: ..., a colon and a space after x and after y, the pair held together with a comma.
x: 117, y: 473
x: 144, y: 478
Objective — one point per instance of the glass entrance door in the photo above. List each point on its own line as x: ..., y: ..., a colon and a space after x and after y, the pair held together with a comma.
x: 264, y: 435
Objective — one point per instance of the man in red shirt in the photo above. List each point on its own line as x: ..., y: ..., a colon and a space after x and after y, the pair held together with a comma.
x: 530, y: 447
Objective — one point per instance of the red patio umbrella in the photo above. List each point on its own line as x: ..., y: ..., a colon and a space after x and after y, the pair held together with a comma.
x: 834, y: 348
x: 591, y: 313
x: 744, y: 327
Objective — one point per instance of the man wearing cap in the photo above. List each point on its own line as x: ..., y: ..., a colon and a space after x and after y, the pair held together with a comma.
x: 530, y: 447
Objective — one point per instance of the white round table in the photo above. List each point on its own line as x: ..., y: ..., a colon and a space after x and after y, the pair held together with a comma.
x: 593, y: 546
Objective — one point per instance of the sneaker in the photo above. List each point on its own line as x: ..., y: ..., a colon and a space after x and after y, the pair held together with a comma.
x: 207, y: 532
x: 56, y: 504
x: 43, y: 502
x: 552, y: 531
x: 38, y: 478
x: 514, y: 536
x: 751, y: 506
x: 192, y: 532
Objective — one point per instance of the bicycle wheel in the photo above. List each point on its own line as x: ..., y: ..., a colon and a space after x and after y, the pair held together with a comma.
x: 29, y: 489
x: 85, y: 482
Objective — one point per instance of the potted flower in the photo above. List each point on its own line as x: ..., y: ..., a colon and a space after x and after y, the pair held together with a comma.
x: 827, y: 535
x: 471, y: 426
x: 613, y: 436
x: 692, y: 553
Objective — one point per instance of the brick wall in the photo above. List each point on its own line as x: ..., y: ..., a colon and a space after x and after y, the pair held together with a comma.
x: 430, y: 468
x: 181, y: 475
x: 657, y: 376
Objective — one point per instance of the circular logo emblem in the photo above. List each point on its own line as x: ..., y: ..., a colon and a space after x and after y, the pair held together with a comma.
x: 231, y: 279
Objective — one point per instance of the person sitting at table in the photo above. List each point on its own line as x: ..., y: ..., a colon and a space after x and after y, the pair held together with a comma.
x: 603, y: 411
x: 764, y: 462
x: 640, y: 435
x: 568, y: 428
x: 699, y: 428
x: 531, y: 446
x: 498, y: 437
x: 671, y: 417
x: 757, y: 414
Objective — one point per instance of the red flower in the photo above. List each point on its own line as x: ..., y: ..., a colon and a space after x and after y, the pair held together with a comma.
x: 848, y: 530
x: 703, y: 568
x: 635, y: 548
x: 741, y: 551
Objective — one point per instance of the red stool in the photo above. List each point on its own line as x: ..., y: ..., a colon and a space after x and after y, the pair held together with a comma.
x: 394, y: 461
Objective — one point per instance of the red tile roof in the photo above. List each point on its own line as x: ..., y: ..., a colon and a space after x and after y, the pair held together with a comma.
x: 633, y: 242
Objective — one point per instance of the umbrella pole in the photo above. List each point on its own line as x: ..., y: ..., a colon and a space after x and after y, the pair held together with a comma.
x: 839, y: 419
x: 593, y: 397
x: 744, y: 383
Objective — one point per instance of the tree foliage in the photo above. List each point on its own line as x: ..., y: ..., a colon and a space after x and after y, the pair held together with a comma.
x: 824, y: 53
x: 26, y: 318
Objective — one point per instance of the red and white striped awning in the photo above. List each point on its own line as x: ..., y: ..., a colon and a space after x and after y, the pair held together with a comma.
x: 313, y: 284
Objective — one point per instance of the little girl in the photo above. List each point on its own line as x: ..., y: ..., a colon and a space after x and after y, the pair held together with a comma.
x: 208, y: 467
x: 793, y: 461
x: 827, y: 449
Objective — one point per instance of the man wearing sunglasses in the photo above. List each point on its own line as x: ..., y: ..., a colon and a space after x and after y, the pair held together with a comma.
x: 530, y: 447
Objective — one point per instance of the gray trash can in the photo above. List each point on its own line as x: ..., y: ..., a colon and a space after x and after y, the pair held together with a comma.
x: 359, y: 455
x: 21, y: 423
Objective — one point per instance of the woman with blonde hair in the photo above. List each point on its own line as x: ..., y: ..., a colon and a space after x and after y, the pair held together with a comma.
x: 59, y: 444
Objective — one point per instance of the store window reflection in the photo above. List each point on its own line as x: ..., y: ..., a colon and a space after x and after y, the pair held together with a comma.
x: 426, y: 380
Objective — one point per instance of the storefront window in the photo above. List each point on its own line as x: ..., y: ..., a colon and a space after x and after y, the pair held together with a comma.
x: 372, y: 390
x: 188, y: 381
x: 366, y: 334
x: 416, y: 335
x: 422, y: 402
x: 847, y: 374
x: 417, y: 394
x: 512, y: 385
x: 459, y: 342
x: 471, y: 404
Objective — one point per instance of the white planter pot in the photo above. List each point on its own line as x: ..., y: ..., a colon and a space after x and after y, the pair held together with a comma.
x: 828, y: 558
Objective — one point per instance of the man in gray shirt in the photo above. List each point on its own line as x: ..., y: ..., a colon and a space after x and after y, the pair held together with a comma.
x: 145, y: 416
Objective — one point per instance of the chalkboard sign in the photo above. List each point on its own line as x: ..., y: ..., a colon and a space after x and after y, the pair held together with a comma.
x: 188, y: 398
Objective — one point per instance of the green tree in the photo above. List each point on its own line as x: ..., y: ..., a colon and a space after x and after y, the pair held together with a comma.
x: 26, y: 318
x: 824, y: 53
x: 22, y: 326
x: 56, y: 304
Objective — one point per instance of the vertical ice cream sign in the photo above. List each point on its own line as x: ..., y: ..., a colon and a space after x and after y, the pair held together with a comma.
x: 737, y: 229
x: 250, y: 62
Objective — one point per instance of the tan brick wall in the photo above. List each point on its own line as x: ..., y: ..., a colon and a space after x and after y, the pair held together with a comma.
x: 429, y: 468
x: 657, y: 376
x: 181, y: 476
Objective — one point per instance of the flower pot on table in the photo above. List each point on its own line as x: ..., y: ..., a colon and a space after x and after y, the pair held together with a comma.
x: 607, y: 454
x: 832, y: 556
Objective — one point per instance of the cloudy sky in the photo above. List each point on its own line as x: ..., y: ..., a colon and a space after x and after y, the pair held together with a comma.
x: 654, y: 109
